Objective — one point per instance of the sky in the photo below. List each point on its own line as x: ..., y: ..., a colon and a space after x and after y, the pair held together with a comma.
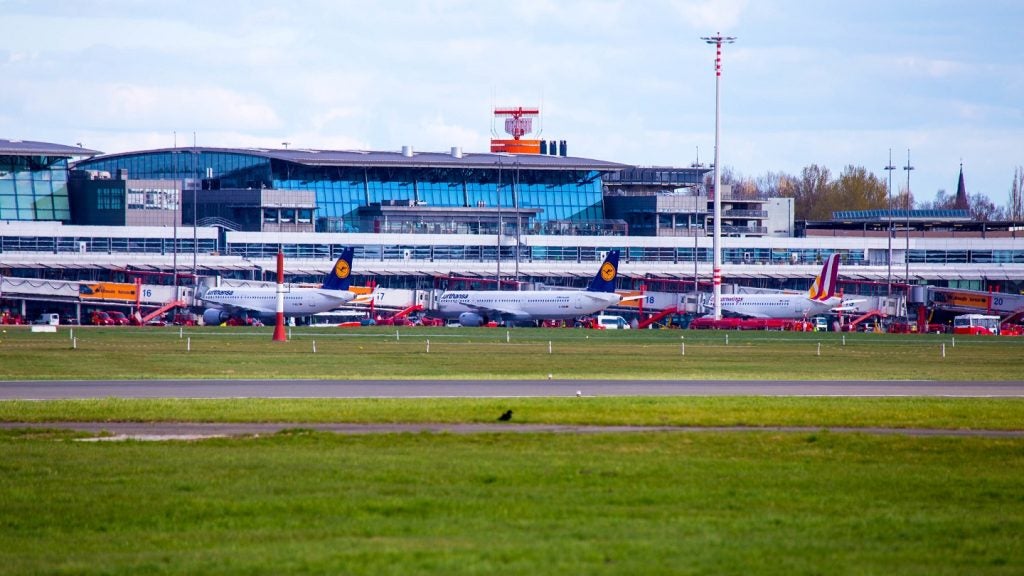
x: 828, y: 82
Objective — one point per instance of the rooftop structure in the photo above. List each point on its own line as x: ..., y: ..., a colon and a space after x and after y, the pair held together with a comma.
x: 345, y: 183
x: 33, y: 180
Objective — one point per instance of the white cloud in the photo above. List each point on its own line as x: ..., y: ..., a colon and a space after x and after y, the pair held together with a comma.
x: 828, y: 82
x: 711, y: 16
x: 928, y: 67
x: 130, y: 106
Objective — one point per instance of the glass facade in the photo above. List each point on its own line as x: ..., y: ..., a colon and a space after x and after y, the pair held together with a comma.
x: 234, y: 170
x: 34, y: 188
x: 106, y: 244
x: 561, y: 195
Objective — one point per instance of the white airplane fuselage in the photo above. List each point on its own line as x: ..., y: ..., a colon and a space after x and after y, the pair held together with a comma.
x: 776, y: 305
x: 297, y: 301
x: 527, y: 305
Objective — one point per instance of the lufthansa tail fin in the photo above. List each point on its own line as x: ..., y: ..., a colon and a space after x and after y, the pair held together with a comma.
x: 604, y: 280
x: 340, y: 277
x: 824, y: 286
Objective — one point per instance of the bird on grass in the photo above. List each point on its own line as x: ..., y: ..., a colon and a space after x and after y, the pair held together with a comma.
x: 506, y: 416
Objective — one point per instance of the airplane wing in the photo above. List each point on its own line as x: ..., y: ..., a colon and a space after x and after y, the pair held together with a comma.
x: 232, y: 309
x: 500, y: 312
x: 847, y: 306
x: 631, y: 298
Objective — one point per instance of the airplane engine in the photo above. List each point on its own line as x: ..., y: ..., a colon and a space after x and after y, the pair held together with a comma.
x: 471, y: 319
x: 214, y: 317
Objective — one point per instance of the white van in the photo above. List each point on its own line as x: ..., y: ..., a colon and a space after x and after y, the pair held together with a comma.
x: 609, y: 322
x: 49, y: 319
x: 820, y: 323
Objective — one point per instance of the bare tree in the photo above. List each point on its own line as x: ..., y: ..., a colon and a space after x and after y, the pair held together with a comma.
x: 983, y: 210
x: 904, y: 200
x: 776, y: 184
x: 1016, y: 211
x: 943, y: 201
x: 742, y: 187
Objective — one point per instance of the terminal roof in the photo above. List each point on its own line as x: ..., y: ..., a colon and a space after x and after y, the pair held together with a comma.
x: 312, y: 157
x: 30, y: 148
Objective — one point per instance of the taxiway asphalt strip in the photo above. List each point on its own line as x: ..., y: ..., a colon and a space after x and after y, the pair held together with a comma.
x: 51, y: 390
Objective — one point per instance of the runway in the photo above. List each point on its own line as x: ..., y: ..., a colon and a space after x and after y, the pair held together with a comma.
x: 51, y: 390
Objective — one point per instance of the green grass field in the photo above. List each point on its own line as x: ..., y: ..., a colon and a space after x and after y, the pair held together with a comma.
x: 675, y: 503
x: 302, y: 502
x: 485, y: 353
x: 824, y: 412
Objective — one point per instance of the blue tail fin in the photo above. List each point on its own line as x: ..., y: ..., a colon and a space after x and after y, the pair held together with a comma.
x: 604, y: 280
x: 340, y: 277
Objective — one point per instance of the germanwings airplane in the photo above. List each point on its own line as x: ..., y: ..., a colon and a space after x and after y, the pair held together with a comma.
x: 477, y: 307
x: 221, y: 303
x: 821, y: 298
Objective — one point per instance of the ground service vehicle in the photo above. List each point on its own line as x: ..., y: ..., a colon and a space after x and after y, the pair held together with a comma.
x: 976, y: 324
x: 101, y: 318
x: 117, y: 318
x: 49, y: 318
x: 608, y: 322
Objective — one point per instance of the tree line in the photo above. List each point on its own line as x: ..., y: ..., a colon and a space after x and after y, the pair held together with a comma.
x: 817, y: 194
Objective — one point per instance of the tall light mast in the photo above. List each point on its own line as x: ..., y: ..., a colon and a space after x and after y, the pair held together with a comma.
x: 906, y: 257
x: 717, y: 40
x: 888, y: 277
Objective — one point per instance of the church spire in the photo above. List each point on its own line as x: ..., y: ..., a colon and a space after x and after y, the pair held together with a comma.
x: 961, y: 192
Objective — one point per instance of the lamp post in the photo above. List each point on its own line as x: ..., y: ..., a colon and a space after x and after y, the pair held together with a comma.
x: 717, y: 40
x: 195, y: 210
x: 178, y: 194
x: 497, y: 191
x: 906, y: 257
x: 888, y: 277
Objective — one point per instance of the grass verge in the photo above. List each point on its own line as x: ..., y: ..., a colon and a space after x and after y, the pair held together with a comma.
x: 126, y: 353
x: 316, y: 503
x: 902, y: 412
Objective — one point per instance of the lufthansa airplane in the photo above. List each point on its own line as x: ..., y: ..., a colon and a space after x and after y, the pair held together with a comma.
x: 821, y: 298
x: 221, y: 303
x: 477, y: 307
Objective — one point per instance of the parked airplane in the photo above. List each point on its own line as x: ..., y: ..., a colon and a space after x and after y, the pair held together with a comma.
x: 222, y: 303
x: 821, y: 298
x: 477, y: 307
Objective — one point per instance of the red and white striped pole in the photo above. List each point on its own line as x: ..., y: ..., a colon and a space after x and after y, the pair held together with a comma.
x: 717, y: 237
x: 279, y: 333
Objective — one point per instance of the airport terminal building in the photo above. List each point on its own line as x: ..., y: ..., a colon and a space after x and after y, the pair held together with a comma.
x: 416, y: 218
